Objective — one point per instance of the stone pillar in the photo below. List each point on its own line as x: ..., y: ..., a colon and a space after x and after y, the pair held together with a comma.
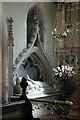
x: 0, y: 59
x: 10, y: 52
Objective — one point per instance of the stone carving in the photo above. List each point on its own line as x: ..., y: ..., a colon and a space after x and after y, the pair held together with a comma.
x: 17, y: 88
x: 17, y: 60
x: 10, y: 32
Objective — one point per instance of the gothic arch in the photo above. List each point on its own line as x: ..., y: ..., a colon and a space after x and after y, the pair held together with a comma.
x: 35, y: 50
x: 40, y: 61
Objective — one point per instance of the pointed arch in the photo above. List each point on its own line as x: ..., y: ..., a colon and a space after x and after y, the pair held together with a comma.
x: 34, y: 55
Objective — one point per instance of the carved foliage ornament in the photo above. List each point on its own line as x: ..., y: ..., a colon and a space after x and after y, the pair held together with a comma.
x: 10, y: 32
